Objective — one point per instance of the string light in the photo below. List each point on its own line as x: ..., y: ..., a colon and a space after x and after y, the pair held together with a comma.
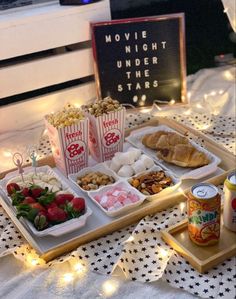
x: 68, y: 277
x: 163, y: 252
x: 7, y: 154
x: 33, y: 260
x: 172, y: 102
x: 109, y: 287
x: 130, y: 239
x: 182, y: 206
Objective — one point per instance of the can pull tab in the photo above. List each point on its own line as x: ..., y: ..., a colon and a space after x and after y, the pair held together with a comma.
x: 201, y: 193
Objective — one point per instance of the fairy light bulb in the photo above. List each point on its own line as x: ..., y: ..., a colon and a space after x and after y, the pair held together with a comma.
x: 182, y: 207
x: 163, y: 252
x: 109, y: 287
x: 68, y: 277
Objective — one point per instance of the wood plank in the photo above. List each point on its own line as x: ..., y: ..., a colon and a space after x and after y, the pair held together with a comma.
x: 34, y: 29
x: 33, y: 111
x: 44, y: 72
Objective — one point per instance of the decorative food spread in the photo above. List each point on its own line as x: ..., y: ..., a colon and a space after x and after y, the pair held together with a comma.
x: 94, y: 180
x: 174, y: 148
x: 151, y: 182
x: 120, y: 184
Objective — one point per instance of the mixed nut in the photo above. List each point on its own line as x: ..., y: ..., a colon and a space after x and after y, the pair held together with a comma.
x: 94, y: 180
x: 152, y: 182
x: 103, y: 106
x: 65, y: 117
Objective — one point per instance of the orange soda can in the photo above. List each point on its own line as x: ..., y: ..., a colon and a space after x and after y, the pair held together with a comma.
x: 204, y: 211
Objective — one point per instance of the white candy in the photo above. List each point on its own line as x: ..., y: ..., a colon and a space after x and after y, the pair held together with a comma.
x: 138, y: 166
x: 117, y: 205
x: 147, y: 161
x: 126, y: 158
x: 103, y: 201
x: 127, y: 202
x: 136, y: 152
x: 115, y: 165
x: 126, y: 171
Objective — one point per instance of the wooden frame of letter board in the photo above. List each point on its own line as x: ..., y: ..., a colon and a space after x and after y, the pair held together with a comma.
x: 179, y: 16
x: 147, y: 208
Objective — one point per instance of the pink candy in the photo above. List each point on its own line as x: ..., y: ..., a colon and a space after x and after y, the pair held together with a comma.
x: 116, y: 198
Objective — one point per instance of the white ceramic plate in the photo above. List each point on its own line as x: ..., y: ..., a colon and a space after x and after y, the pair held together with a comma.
x: 164, y: 192
x: 99, y: 167
x: 124, y: 209
x: 181, y: 172
x: 56, y: 230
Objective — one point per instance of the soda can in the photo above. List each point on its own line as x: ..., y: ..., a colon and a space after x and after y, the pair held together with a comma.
x: 204, y: 211
x: 229, y: 214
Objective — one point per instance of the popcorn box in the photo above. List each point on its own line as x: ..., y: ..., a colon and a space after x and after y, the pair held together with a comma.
x: 70, y: 146
x: 106, y: 134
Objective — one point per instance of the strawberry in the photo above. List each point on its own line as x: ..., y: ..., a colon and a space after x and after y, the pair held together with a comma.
x: 41, y: 221
x: 25, y: 191
x: 37, y: 205
x: 36, y: 191
x: 28, y: 200
x: 12, y: 188
x: 62, y: 199
x: 50, y: 205
x: 57, y: 215
x: 75, y: 207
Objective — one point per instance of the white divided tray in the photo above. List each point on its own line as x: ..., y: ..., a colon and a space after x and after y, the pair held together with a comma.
x: 104, y: 168
x: 56, y: 230
x: 135, y: 139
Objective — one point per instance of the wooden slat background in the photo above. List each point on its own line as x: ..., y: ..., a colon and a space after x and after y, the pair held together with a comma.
x: 29, y: 30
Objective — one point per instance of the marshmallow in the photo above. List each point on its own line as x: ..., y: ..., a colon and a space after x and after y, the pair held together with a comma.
x: 138, y: 166
x: 135, y: 152
x: 126, y: 171
x: 147, y: 161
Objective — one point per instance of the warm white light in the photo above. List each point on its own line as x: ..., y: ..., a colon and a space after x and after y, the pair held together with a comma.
x: 228, y: 75
x: 188, y: 112
x: 189, y: 94
x: 213, y: 93
x: 163, y: 252
x: 77, y: 105
x: 226, y: 10
x: 130, y: 239
x: 79, y: 268
x: 182, y: 206
x: 33, y: 260
x: 68, y: 277
x: 109, y: 287
x: 172, y: 102
x: 198, y: 105
x: 7, y: 154
x: 221, y: 91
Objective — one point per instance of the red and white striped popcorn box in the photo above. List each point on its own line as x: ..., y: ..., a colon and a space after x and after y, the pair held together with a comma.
x: 106, y: 134
x: 70, y: 146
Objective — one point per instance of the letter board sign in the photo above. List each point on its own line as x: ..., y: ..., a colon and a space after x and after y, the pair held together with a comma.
x: 140, y: 60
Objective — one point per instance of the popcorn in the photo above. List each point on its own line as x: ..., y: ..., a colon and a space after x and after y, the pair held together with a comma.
x: 65, y: 117
x: 103, y: 107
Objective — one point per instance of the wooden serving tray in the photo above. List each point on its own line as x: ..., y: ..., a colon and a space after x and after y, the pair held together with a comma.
x: 201, y: 258
x: 100, y: 224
